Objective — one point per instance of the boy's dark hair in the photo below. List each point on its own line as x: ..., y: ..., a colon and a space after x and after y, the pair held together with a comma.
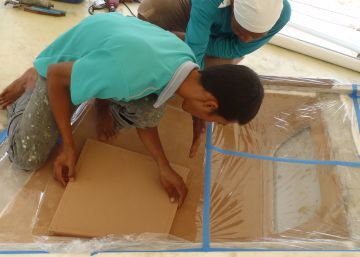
x: 238, y: 90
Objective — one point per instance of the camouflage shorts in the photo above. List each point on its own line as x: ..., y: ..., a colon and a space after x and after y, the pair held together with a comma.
x: 32, y: 128
x: 33, y: 132
x: 137, y: 113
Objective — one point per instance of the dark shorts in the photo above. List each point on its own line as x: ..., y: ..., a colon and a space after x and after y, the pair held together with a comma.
x: 172, y: 15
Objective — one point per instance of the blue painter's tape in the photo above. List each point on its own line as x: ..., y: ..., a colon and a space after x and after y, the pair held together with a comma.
x: 24, y: 252
x: 150, y: 251
x: 207, y: 189
x: 356, y: 103
x: 275, y: 250
x: 3, y: 136
x: 288, y: 160
x: 354, y: 90
x: 223, y: 249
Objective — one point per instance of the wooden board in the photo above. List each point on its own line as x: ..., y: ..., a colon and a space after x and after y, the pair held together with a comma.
x: 116, y: 192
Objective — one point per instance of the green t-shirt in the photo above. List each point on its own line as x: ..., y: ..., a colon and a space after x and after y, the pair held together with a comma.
x: 117, y: 57
x: 209, y: 31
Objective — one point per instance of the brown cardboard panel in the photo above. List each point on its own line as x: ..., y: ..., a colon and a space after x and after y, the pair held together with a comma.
x: 32, y: 210
x: 116, y: 192
x: 175, y: 132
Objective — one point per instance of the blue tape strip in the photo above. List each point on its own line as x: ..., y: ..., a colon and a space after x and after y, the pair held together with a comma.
x: 354, y: 90
x: 356, y: 103
x: 275, y: 250
x: 223, y: 249
x: 3, y: 136
x: 150, y: 251
x: 24, y: 252
x: 207, y: 189
x: 196, y: 250
x: 288, y: 160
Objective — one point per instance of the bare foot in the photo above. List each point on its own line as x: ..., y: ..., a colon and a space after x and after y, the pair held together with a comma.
x: 104, y: 121
x: 12, y: 92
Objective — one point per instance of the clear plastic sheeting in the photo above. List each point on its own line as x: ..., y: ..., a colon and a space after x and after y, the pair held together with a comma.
x: 28, y: 210
x: 288, y: 180
x: 300, y: 125
x: 279, y: 205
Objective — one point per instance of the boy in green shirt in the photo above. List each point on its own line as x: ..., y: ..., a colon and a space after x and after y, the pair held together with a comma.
x: 131, y: 68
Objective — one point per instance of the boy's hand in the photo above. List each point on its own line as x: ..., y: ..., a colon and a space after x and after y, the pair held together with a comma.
x: 64, y: 165
x: 173, y: 184
x: 199, y: 127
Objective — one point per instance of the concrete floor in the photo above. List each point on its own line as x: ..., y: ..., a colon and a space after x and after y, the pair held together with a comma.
x: 23, y: 35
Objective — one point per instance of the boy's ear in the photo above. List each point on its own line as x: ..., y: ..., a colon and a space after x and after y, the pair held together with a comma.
x: 210, y: 102
x: 211, y: 105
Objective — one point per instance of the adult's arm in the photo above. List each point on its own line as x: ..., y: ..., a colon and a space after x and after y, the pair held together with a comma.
x: 199, y: 27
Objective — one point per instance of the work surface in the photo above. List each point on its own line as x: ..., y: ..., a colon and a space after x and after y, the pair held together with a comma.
x: 24, y: 35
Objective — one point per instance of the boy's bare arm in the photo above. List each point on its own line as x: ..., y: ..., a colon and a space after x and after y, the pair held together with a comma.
x: 58, y: 78
x: 171, y: 181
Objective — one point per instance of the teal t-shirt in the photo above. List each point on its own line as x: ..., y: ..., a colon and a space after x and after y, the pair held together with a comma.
x: 116, y: 57
x: 209, y: 31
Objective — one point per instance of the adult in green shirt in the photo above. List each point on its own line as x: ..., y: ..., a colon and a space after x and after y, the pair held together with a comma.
x: 219, y: 31
x: 131, y: 68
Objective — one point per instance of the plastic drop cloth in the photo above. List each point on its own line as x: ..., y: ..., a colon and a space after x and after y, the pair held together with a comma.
x: 287, y: 180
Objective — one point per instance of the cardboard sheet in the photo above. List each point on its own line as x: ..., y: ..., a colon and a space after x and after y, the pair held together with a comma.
x: 116, y: 192
x: 36, y: 203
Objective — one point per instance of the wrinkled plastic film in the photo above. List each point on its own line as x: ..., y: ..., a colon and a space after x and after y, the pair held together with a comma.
x: 287, y: 180
x: 32, y: 202
x: 290, y: 177
x: 283, y: 206
x: 298, y: 125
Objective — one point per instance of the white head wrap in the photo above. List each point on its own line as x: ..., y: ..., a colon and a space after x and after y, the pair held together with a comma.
x: 257, y: 16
